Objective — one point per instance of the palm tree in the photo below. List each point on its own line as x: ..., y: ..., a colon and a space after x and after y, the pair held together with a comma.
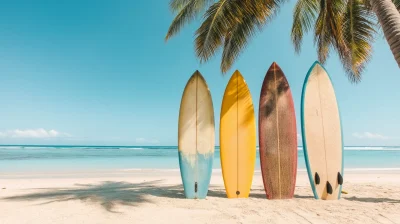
x: 347, y: 26
x: 389, y: 18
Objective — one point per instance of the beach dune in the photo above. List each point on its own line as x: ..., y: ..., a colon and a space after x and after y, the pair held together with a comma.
x: 156, y: 196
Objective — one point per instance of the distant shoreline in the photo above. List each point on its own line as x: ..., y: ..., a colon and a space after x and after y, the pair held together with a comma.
x: 27, y: 158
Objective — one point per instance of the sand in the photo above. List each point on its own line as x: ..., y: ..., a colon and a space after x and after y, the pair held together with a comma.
x: 154, y: 196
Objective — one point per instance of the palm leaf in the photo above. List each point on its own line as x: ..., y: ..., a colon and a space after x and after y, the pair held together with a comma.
x: 257, y: 14
x: 178, y: 5
x: 219, y: 18
x: 305, y: 14
x: 336, y: 11
x: 321, y: 36
x: 266, y: 9
x: 358, y: 30
x: 236, y: 40
x: 231, y: 23
x: 187, y: 11
x: 328, y: 29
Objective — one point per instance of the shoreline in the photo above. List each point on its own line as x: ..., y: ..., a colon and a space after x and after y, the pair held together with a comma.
x: 135, y: 171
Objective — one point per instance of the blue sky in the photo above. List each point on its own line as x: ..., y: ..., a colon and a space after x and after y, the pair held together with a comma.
x: 100, y: 72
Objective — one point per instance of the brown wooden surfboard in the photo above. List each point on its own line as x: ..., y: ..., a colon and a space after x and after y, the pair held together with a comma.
x: 277, y: 135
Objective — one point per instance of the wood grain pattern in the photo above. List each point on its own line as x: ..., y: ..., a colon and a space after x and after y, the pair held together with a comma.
x: 322, y: 135
x: 196, y: 137
x: 277, y: 135
x: 237, y: 138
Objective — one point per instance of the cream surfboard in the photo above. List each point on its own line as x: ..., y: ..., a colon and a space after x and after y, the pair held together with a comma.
x: 322, y: 134
x: 196, y: 137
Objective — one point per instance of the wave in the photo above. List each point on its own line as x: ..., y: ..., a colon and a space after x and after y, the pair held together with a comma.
x: 257, y: 170
x: 132, y: 148
x: 372, y: 169
x: 366, y: 148
x: 10, y: 147
x: 373, y: 148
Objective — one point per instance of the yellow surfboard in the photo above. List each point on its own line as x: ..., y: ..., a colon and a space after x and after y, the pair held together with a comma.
x: 237, y: 138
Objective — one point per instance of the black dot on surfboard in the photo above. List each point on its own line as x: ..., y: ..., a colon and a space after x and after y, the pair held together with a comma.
x: 237, y: 192
x: 329, y: 189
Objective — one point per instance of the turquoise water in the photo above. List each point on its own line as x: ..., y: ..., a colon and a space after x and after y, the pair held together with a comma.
x: 66, y: 158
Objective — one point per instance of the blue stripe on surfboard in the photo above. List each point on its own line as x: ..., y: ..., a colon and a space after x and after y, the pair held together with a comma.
x: 191, y: 174
x: 311, y: 178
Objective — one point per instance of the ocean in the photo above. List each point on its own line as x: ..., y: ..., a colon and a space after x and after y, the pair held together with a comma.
x: 74, y: 158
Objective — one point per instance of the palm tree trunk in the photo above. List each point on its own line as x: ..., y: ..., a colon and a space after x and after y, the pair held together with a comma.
x: 389, y: 18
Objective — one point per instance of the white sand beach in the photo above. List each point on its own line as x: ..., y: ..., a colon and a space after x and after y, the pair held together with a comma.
x: 156, y: 196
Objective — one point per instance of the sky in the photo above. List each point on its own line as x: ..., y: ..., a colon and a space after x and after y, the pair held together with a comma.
x: 100, y: 73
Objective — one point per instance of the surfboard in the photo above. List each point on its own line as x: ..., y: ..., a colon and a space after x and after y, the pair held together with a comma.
x: 196, y: 137
x: 237, y: 138
x: 322, y: 134
x: 277, y: 135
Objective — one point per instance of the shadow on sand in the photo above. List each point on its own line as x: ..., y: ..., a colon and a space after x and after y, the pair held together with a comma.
x: 373, y: 200
x: 109, y: 194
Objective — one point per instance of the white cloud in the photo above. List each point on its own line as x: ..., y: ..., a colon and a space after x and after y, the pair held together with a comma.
x: 369, y: 135
x: 146, y: 141
x: 33, y: 133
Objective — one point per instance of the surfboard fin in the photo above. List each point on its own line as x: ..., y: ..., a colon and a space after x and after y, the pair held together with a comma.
x: 317, y: 179
x: 339, y: 178
x: 195, y: 187
x: 329, y: 188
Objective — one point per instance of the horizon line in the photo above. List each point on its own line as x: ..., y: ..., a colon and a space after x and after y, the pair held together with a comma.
x: 162, y: 145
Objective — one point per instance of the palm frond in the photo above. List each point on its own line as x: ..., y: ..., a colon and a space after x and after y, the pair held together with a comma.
x: 230, y: 23
x: 304, y: 16
x: 178, y: 5
x: 258, y: 13
x: 358, y: 28
x: 328, y: 29
x: 266, y: 9
x: 336, y: 11
x: 187, y: 11
x: 236, y: 40
x: 321, y: 35
x: 219, y: 18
